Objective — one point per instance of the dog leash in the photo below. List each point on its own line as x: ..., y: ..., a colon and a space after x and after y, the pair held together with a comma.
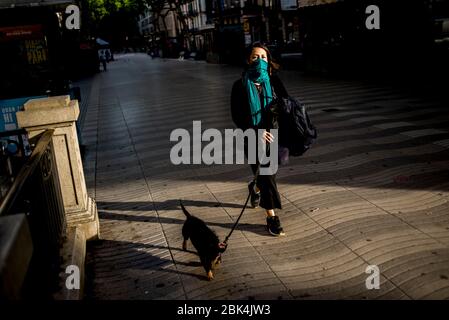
x: 223, y: 245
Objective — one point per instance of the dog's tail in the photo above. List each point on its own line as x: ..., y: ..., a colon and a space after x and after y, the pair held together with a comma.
x: 184, y: 209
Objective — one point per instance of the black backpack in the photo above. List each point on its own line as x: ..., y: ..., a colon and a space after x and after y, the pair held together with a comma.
x: 296, y: 131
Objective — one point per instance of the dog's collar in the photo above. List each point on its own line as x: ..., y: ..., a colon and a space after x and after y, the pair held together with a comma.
x: 222, y: 247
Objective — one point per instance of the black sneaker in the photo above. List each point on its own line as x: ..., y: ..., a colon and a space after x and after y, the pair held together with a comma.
x: 274, y: 226
x: 255, y: 196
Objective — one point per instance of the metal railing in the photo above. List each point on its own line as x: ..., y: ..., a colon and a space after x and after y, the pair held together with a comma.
x: 36, y: 192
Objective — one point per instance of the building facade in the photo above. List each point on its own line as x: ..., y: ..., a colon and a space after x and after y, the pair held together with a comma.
x: 242, y: 22
x: 200, y: 25
x: 329, y: 34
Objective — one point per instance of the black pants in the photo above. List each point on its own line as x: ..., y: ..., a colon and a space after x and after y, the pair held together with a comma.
x: 269, y: 195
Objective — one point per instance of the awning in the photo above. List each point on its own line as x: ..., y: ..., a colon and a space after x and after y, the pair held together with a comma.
x: 308, y: 3
x: 289, y: 5
x: 101, y: 42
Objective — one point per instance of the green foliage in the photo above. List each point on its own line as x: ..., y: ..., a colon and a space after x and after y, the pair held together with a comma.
x: 115, y: 20
x: 99, y: 9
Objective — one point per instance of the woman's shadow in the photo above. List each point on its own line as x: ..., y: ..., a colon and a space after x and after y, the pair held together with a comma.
x: 173, y: 205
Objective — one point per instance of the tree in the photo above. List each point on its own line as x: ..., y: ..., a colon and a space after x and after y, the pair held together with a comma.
x: 116, y: 19
x: 113, y: 19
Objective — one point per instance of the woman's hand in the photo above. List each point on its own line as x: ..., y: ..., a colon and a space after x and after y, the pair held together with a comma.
x: 267, y: 137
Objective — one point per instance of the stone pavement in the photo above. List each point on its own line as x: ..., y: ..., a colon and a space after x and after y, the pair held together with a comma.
x: 373, y: 190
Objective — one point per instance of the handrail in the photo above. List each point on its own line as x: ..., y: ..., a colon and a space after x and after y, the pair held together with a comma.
x: 26, y: 171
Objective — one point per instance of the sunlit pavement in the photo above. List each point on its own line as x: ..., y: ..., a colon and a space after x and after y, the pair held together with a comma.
x: 373, y: 190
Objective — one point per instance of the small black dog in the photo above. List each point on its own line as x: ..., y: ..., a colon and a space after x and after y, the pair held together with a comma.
x: 204, y: 240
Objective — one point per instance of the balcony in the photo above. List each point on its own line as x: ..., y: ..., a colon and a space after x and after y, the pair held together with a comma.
x: 192, y: 13
x: 250, y: 8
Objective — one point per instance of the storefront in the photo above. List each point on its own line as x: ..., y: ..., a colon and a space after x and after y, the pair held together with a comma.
x: 37, y: 55
x: 36, y: 59
x: 335, y: 37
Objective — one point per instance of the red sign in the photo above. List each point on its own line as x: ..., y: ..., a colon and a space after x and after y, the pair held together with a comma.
x: 21, y: 32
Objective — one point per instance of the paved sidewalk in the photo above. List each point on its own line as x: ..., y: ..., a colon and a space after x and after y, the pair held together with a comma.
x: 374, y: 190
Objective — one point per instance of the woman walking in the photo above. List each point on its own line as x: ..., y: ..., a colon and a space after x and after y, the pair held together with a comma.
x: 250, y: 96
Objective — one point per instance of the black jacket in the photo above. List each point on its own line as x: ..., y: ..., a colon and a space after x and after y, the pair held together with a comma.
x: 241, y: 112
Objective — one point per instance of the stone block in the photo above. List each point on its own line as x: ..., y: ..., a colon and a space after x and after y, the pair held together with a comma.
x: 50, y: 102
x: 60, y: 113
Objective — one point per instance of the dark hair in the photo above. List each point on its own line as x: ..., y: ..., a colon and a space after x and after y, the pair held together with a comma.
x: 272, y: 64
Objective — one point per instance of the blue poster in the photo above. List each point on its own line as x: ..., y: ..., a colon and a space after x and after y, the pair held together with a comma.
x: 8, y: 109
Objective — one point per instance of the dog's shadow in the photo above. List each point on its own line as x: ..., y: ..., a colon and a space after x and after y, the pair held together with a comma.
x: 190, y: 263
x: 147, y: 262
x: 259, y: 229
x: 187, y: 264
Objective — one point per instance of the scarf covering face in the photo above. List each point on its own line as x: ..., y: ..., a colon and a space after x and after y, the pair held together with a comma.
x: 257, y: 72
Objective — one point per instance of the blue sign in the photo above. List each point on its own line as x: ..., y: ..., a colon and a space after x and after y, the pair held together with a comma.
x: 8, y: 109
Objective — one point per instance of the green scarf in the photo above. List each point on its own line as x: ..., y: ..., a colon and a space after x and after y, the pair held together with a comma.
x: 257, y: 72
